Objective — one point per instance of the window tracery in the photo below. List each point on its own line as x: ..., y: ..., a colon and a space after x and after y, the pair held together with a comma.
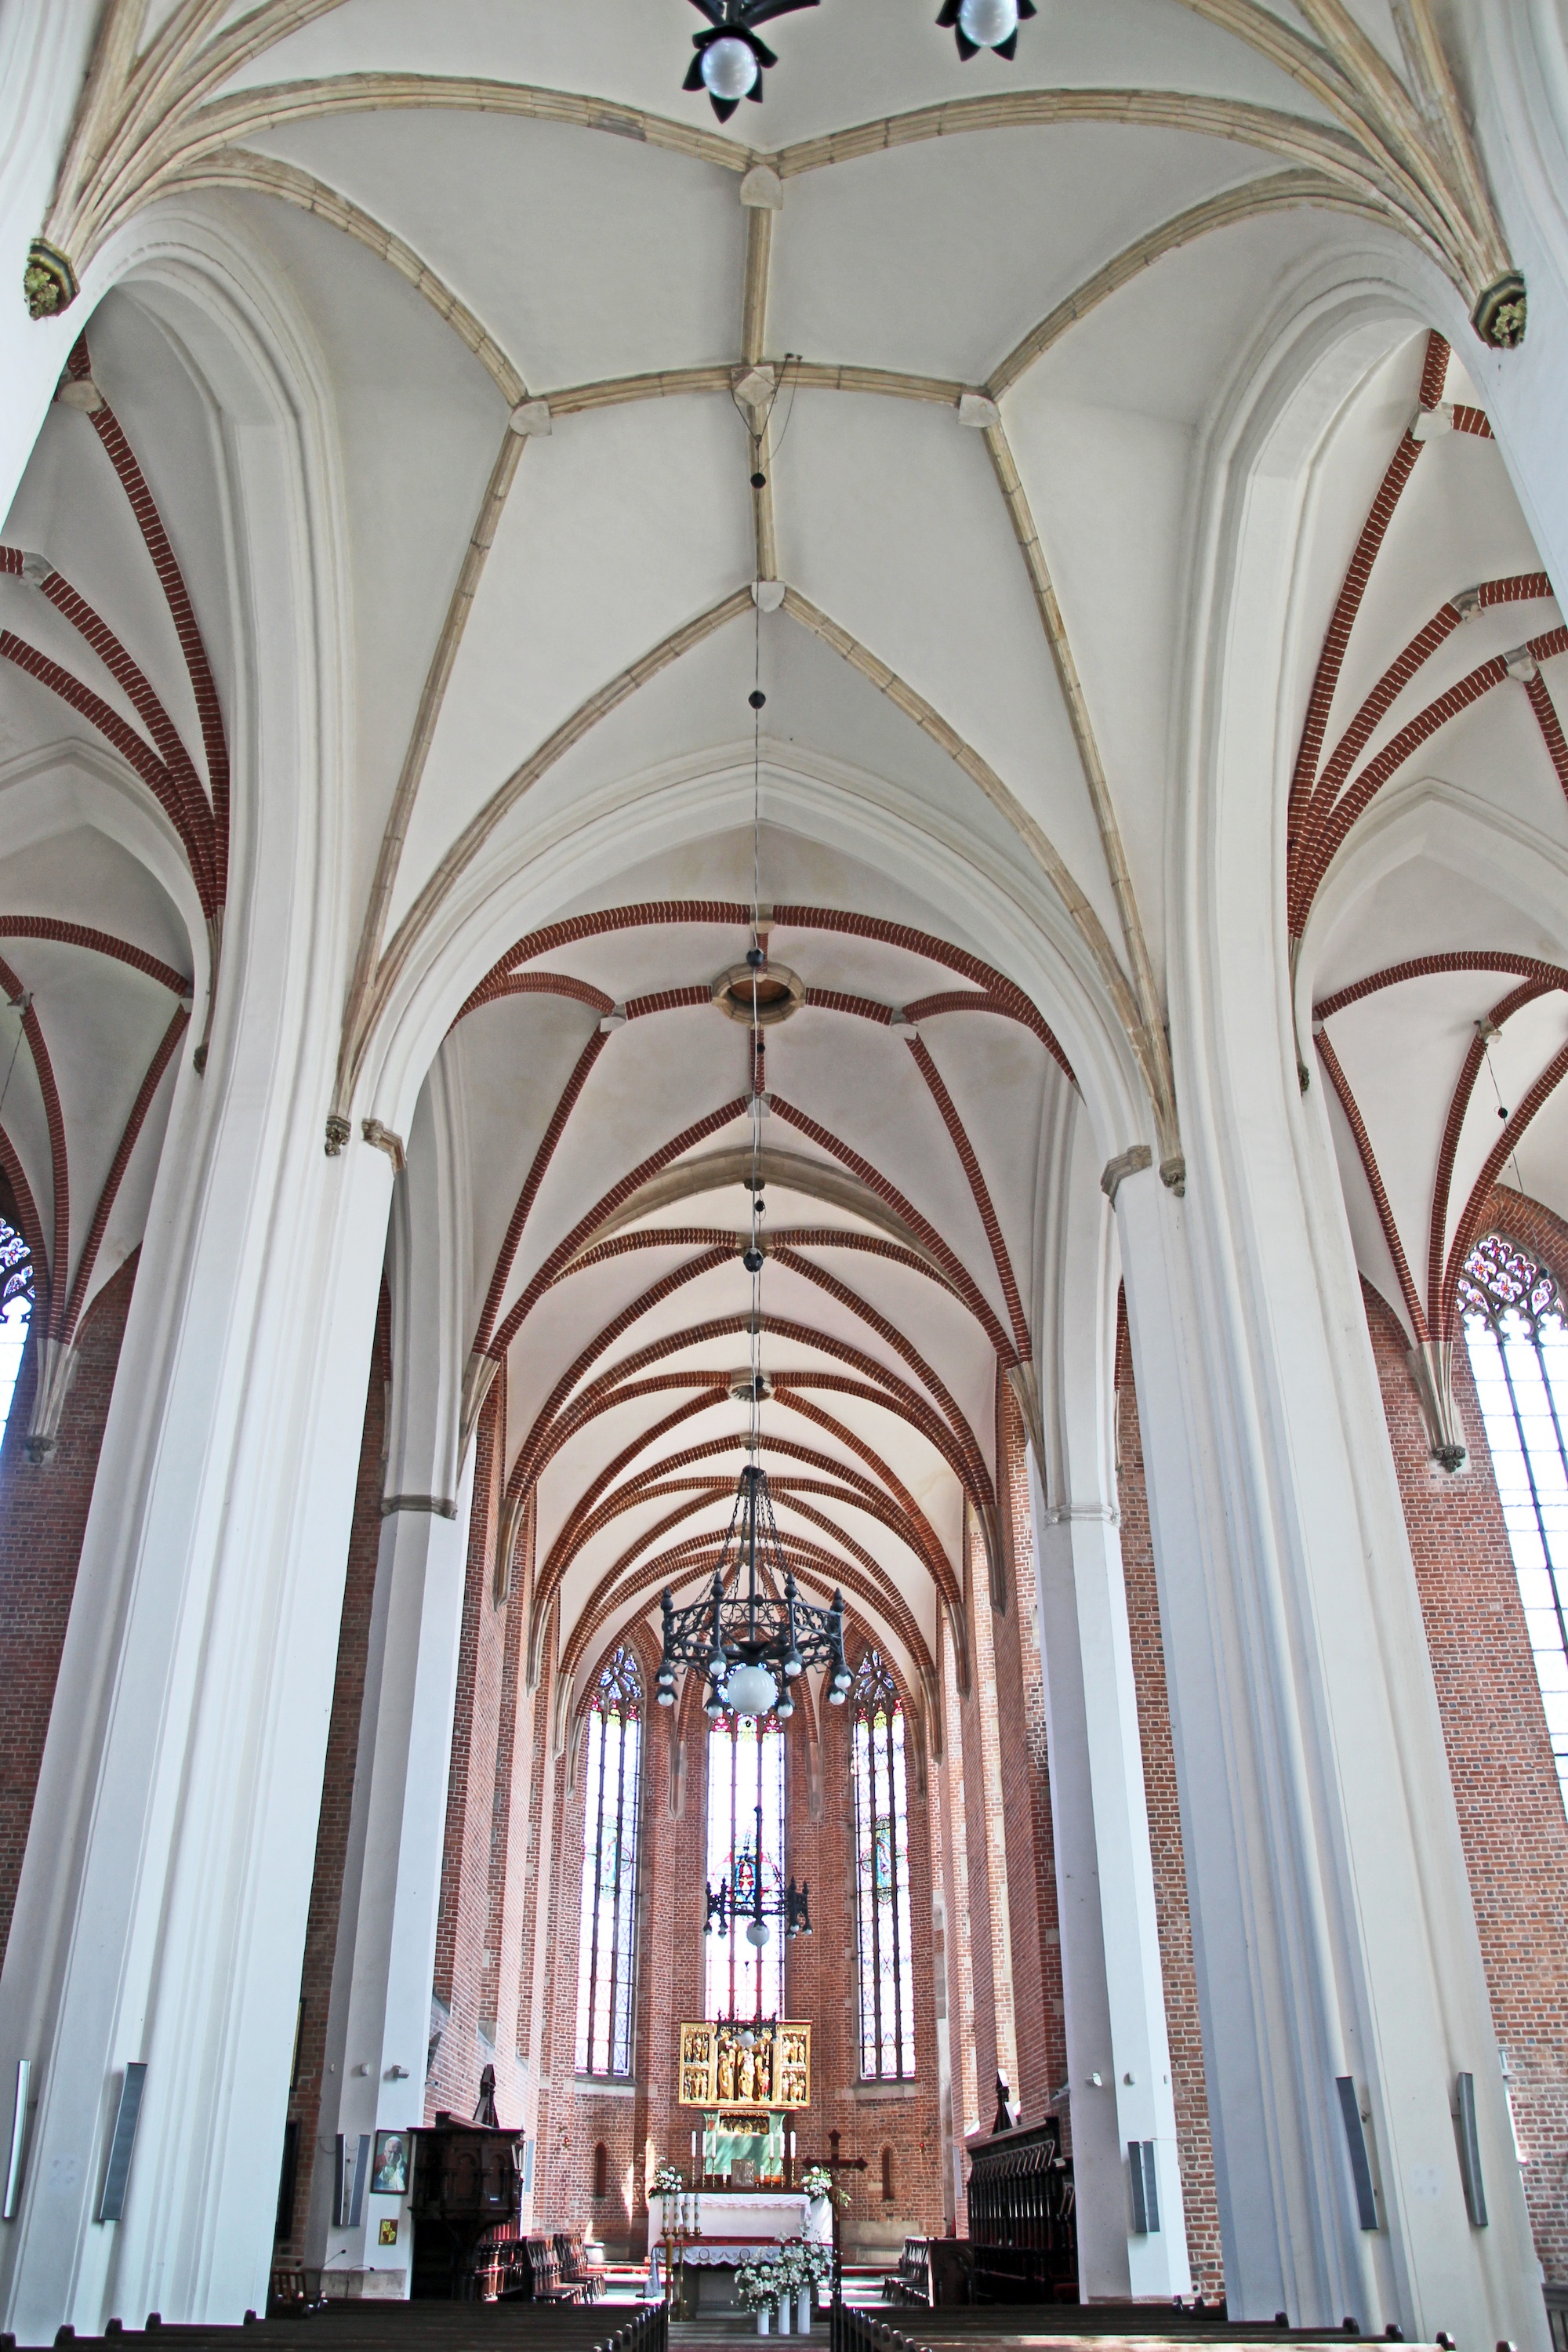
x: 16, y: 1287
x: 882, y: 1874
x: 745, y: 1770
x: 1517, y: 1332
x: 607, y: 1954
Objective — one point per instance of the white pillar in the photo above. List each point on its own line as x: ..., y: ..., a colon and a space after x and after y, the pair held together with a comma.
x: 1334, y: 1935
x: 45, y: 49
x: 1119, y: 2066
x: 161, y: 1906
x: 379, y: 2020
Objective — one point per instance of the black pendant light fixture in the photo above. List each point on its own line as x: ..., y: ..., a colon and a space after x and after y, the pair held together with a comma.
x: 979, y: 24
x: 753, y: 1635
x: 743, y: 1896
x: 730, y: 59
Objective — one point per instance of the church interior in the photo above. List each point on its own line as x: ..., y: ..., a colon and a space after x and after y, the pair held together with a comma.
x: 784, y: 1167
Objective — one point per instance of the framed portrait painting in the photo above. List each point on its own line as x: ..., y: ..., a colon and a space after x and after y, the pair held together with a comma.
x: 389, y: 2175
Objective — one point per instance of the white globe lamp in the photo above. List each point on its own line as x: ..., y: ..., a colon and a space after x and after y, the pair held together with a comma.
x: 751, y: 1690
x: 729, y: 69
x: 987, y: 23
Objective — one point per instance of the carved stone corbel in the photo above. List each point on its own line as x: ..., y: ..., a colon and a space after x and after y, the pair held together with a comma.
x: 1131, y: 1162
x: 57, y: 1370
x: 478, y: 1378
x: 508, y: 1527
x: 1432, y: 1372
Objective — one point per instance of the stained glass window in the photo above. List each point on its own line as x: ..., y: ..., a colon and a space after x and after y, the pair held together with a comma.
x: 1518, y: 1335
x: 607, y: 1952
x: 745, y: 1770
x: 15, y: 1311
x: 882, y: 1874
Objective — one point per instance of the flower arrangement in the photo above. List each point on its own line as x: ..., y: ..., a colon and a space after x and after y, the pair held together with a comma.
x: 669, y: 2181
x: 758, y: 2286
x: 804, y: 2263
x: 817, y: 2181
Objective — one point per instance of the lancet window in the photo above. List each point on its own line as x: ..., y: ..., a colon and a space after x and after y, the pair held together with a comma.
x: 882, y: 1874
x: 1518, y: 1335
x: 16, y: 1312
x: 607, y: 1955
x: 745, y: 1770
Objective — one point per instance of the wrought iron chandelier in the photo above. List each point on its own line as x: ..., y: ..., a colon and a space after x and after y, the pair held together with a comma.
x: 741, y: 1895
x: 752, y: 1643
x: 753, y: 1635
x: 730, y: 59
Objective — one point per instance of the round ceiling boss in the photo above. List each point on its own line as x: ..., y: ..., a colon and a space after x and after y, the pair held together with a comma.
x: 758, y: 998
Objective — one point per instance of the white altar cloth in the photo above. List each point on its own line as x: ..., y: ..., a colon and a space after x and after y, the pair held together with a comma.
x: 770, y: 2214
x: 738, y: 2226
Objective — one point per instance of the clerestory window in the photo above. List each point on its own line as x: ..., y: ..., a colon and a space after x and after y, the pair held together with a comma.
x: 606, y: 1953
x: 16, y: 1312
x: 1518, y: 1336
x: 882, y: 1874
x: 745, y: 1770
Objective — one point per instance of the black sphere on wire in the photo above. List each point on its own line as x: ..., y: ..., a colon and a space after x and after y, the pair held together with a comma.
x: 756, y: 697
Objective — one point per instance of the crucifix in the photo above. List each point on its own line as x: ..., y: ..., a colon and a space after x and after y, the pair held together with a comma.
x: 834, y: 2165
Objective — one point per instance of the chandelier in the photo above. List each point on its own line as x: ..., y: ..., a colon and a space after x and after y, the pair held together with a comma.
x: 730, y: 59
x: 741, y: 1896
x: 753, y: 1635
x: 751, y: 1644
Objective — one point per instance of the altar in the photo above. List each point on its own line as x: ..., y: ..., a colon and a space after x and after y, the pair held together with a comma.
x: 732, y: 2227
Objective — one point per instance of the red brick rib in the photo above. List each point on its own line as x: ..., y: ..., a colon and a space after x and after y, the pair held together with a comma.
x: 1549, y: 975
x: 1357, y: 1126
x: 545, y: 984
x: 182, y: 612
x: 889, y: 1332
x: 126, y: 742
x: 31, y: 1223
x: 878, y: 1385
x: 620, y: 1192
x: 138, y: 691
x: 969, y: 1163
x: 1521, y: 588
x: 1458, y: 1108
x: 1434, y: 371
x: 81, y: 935
x: 1342, y: 620
x: 1392, y: 758
x: 530, y: 1192
x: 920, y: 1226
x: 44, y: 1069
x: 1007, y: 996
x: 122, y: 1161
x: 1481, y: 1191
x: 1551, y: 728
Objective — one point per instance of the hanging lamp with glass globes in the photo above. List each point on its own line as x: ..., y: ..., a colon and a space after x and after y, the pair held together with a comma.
x: 731, y: 60
x: 979, y: 24
x: 753, y: 1635
x: 743, y: 1896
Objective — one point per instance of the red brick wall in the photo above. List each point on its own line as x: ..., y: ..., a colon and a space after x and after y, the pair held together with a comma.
x: 43, y: 1517
x: 1511, y: 1818
x: 648, y: 2125
x: 338, y: 1784
x: 972, y: 1806
x: 1188, y: 2082
x: 473, y: 1872
x: 951, y: 1816
x: 1026, y: 1785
